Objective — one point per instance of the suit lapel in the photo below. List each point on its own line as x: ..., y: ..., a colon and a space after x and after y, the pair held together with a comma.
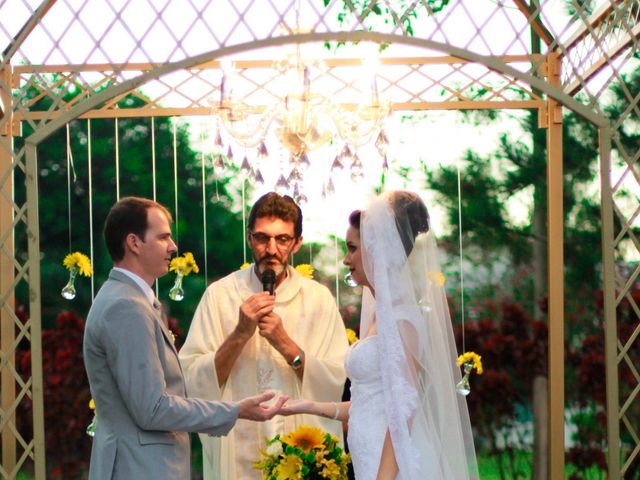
x: 156, y: 308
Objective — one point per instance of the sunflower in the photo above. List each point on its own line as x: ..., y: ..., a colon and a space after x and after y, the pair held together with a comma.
x: 305, y: 438
x: 473, y: 358
x: 190, y: 263
x: 184, y: 265
x: 80, y: 262
x: 305, y: 270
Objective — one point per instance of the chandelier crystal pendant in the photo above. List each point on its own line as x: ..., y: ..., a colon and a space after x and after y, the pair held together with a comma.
x: 302, y: 120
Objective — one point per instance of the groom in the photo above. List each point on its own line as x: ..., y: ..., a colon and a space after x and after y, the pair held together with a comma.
x: 141, y: 405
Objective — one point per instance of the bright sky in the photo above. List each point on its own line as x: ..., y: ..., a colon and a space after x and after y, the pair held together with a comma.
x: 438, y: 138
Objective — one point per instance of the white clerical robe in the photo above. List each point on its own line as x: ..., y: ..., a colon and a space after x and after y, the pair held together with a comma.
x: 310, y: 317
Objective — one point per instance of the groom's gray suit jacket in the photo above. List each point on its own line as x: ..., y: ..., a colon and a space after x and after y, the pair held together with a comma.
x: 138, y: 388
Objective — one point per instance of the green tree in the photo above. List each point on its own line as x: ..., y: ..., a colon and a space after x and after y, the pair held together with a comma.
x: 87, y: 191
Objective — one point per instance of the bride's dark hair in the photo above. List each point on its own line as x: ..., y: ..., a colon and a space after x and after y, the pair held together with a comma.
x: 411, y: 215
x: 354, y: 219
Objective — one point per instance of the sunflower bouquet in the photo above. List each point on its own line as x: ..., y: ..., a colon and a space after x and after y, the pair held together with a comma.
x: 307, y: 453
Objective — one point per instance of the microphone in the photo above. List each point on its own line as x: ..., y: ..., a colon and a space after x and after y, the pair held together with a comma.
x: 269, y: 281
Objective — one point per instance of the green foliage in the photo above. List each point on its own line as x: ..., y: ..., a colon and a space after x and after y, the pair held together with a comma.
x: 488, y: 182
x: 374, y: 14
x: 92, y: 190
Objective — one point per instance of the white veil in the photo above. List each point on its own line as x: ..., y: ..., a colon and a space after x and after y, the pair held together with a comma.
x: 428, y: 421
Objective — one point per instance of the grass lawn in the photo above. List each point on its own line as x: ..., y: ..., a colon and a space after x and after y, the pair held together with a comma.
x: 519, y: 467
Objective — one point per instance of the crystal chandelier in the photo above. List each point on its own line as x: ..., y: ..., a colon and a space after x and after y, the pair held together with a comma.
x: 302, y: 120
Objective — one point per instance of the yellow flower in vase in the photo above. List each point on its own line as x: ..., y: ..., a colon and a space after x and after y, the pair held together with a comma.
x: 91, y: 429
x: 183, y: 266
x: 75, y: 262
x: 305, y: 270
x: 437, y: 278
x: 469, y: 361
x: 352, y: 337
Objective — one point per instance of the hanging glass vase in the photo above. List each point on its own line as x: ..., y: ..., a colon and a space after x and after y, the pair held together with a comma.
x: 91, y: 429
x: 69, y: 290
x: 177, y: 293
x: 349, y: 281
x: 464, y: 387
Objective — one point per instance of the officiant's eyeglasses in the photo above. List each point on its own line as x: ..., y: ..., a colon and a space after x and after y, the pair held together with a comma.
x: 282, y: 241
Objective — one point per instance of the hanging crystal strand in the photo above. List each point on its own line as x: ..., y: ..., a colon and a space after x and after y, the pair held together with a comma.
x: 229, y: 155
x: 295, y: 176
x: 263, y: 153
x: 329, y: 188
x: 218, y: 165
x: 382, y: 143
x: 245, y: 167
x: 299, y: 197
x: 345, y: 155
x: 218, y: 146
x: 357, y: 171
x: 258, y: 178
x: 385, y: 163
x: 303, y: 162
x: 337, y: 165
x: 282, y: 186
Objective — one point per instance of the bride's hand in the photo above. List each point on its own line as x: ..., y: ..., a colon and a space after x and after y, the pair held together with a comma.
x: 295, y: 407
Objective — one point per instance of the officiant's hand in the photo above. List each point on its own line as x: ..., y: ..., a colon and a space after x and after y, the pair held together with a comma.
x: 271, y: 328
x: 252, y: 310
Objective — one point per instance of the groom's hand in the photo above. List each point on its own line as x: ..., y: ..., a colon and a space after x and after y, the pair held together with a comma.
x: 253, y: 408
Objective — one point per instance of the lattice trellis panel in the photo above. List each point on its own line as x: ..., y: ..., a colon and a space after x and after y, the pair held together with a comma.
x: 409, y: 83
x: 93, y: 46
x: 17, y: 387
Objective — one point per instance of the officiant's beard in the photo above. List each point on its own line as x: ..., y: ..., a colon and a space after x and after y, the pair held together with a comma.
x: 263, y: 263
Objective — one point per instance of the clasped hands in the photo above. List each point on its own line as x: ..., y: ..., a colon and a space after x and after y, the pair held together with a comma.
x: 258, y: 407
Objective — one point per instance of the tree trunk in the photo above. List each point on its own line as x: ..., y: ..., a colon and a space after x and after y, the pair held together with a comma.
x: 540, y: 385
x: 541, y: 428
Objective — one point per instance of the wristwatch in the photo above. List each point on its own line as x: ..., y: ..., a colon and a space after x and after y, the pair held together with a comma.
x: 296, y: 363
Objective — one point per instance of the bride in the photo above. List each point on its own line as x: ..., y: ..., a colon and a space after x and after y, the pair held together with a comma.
x: 405, y: 419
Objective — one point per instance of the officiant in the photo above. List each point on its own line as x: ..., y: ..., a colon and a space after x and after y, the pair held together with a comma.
x: 255, y: 331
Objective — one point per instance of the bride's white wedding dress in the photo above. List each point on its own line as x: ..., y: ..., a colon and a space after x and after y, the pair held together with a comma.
x: 367, y: 425
x: 368, y: 422
x: 403, y: 378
